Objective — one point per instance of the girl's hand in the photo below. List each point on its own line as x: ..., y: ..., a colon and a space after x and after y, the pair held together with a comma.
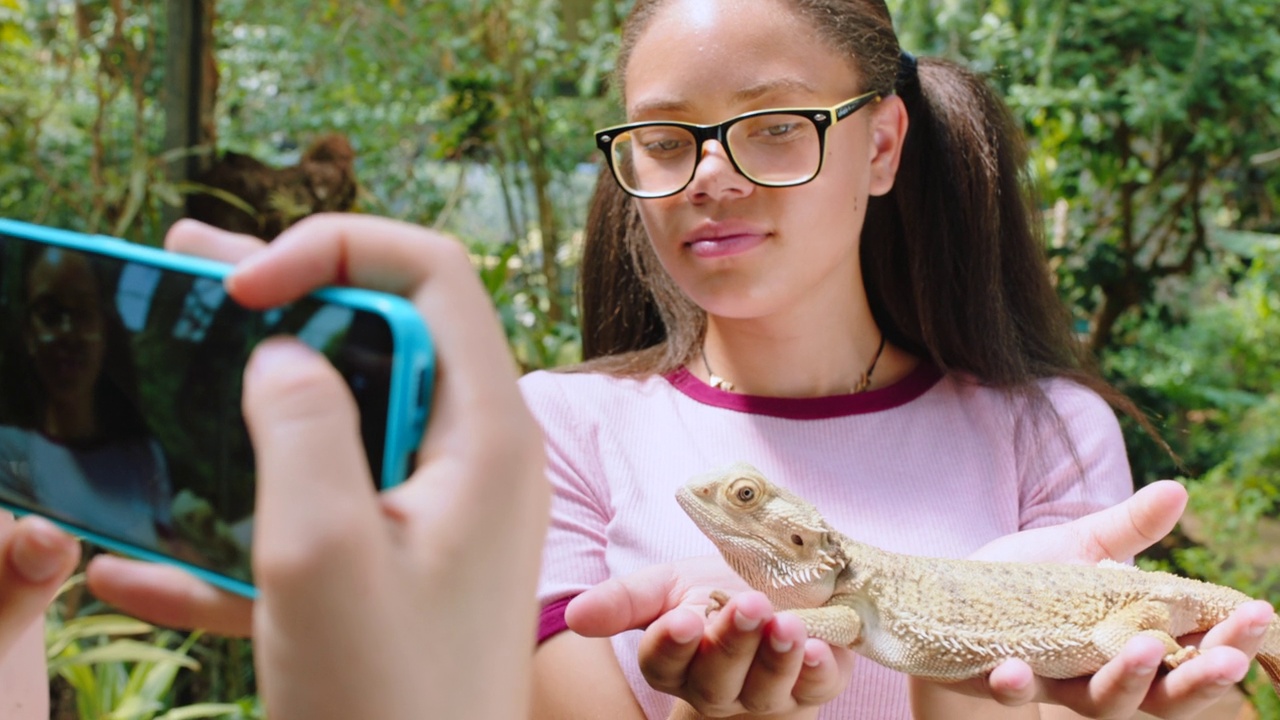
x: 743, y: 659
x: 375, y: 604
x: 1129, y: 682
x: 35, y: 559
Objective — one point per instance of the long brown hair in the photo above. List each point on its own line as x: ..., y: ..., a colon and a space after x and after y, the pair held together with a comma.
x: 953, y: 256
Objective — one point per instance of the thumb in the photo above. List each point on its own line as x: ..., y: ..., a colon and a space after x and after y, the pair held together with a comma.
x: 314, y: 483
x: 35, y: 559
x: 626, y: 603
x: 1124, y: 530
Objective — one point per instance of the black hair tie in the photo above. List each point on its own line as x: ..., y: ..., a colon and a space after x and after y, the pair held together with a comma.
x: 907, y: 70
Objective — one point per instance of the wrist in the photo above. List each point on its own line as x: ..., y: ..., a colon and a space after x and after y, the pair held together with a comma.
x: 931, y: 700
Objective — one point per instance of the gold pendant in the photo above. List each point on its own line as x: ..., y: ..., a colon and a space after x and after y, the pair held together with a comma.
x: 720, y: 383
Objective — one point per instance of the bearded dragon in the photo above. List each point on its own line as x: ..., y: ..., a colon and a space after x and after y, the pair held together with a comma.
x: 947, y: 619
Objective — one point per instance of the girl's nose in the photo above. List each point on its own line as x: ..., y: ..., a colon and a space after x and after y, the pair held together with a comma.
x: 715, y: 177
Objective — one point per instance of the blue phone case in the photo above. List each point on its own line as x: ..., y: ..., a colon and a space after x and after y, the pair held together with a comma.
x: 412, y: 375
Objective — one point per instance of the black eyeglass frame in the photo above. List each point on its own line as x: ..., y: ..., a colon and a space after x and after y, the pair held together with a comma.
x: 822, y: 119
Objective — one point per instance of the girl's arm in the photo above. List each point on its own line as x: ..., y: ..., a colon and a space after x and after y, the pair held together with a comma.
x: 24, y: 688
x: 35, y: 559
x: 576, y: 677
x: 931, y: 700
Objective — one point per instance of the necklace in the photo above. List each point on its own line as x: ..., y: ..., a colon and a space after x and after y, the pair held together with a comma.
x: 864, y: 382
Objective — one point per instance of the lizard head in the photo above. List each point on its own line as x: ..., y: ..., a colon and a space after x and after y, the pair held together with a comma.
x: 776, y: 541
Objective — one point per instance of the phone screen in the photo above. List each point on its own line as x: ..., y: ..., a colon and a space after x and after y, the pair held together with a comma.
x: 120, y: 406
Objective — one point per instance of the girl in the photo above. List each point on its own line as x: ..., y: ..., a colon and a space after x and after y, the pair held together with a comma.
x: 71, y: 435
x: 817, y: 258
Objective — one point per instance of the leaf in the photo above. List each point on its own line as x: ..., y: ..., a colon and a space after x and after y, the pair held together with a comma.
x: 91, y: 626
x: 193, y: 188
x: 202, y: 710
x: 134, y: 197
x: 124, y: 651
x: 132, y: 707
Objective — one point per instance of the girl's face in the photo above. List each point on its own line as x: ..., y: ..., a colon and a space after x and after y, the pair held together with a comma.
x: 736, y: 249
x: 65, y: 331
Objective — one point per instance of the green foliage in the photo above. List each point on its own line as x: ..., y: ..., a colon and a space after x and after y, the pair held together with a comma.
x: 471, y: 117
x: 528, y: 310
x: 1144, y: 117
x: 1204, y: 359
x: 80, y: 120
x: 118, y: 678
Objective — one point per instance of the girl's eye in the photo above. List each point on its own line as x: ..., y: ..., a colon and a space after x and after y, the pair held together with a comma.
x: 663, y: 146
x: 780, y: 129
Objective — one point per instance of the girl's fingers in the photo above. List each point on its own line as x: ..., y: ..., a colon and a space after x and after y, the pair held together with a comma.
x: 668, y: 647
x: 190, y: 237
x: 771, y: 679
x: 824, y: 673
x: 168, y: 596
x: 35, y: 559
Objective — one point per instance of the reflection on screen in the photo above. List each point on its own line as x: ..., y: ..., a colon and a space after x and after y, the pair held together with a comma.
x: 120, y: 410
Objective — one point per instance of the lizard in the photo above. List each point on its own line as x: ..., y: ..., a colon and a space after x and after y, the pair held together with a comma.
x: 947, y: 619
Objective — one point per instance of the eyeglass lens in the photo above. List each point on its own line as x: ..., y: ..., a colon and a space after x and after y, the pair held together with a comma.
x: 774, y: 149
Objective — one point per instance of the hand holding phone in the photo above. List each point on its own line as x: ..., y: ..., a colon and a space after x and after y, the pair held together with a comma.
x: 421, y: 591
x: 122, y: 366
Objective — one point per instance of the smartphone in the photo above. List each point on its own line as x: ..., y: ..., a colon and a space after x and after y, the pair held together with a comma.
x: 120, y: 382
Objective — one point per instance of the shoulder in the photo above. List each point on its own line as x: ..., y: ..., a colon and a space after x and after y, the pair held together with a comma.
x: 540, y: 381
x: 15, y: 460
x: 1057, y: 399
x: 550, y: 392
x: 1080, y: 410
x: 1070, y: 396
x: 12, y: 438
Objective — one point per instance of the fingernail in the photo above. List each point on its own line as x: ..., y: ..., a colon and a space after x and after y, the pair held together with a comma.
x: 1258, y: 629
x: 278, y: 354
x: 812, y: 653
x: 780, y: 645
x: 1143, y: 669
x: 745, y: 623
x: 684, y: 636
x: 40, y: 552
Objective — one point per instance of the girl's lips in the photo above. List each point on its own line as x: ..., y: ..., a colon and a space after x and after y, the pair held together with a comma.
x: 724, y: 246
x: 718, y: 240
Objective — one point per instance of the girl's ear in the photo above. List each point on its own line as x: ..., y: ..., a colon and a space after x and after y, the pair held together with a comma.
x: 889, y: 124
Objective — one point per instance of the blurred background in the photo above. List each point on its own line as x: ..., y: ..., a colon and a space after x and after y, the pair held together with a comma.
x: 1154, y: 128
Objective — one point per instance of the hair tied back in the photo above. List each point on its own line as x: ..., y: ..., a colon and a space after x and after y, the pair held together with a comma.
x: 907, y: 73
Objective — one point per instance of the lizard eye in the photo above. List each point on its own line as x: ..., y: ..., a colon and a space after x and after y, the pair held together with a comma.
x: 797, y: 540
x: 746, y: 494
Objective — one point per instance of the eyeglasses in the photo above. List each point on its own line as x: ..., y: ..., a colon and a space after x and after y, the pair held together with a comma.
x: 774, y: 148
x: 52, y: 319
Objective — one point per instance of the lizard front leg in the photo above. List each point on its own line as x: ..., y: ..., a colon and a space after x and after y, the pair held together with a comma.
x: 836, y: 623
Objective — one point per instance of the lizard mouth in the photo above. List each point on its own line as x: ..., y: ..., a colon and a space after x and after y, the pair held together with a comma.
x: 788, y: 574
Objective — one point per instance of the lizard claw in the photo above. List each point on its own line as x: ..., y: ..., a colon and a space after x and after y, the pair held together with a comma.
x: 718, y: 600
x: 1185, y: 653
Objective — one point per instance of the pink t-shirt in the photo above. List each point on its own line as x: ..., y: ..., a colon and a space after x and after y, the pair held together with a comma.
x: 932, y: 465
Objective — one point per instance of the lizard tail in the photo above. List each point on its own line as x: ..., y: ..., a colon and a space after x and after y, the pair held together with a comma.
x: 1269, y: 655
x: 1271, y: 663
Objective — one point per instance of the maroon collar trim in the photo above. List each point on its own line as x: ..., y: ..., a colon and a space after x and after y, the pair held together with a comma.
x: 916, y: 383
